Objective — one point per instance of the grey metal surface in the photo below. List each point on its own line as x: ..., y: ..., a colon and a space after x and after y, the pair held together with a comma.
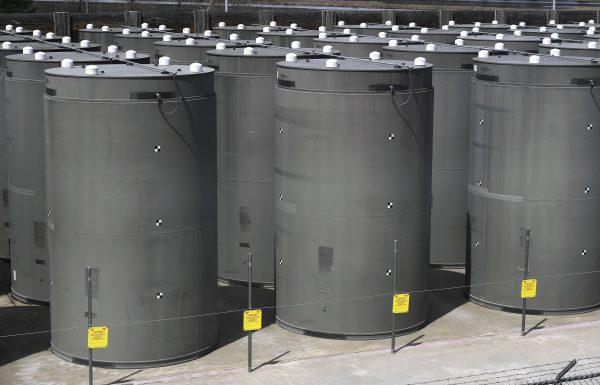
x: 432, y: 35
x: 571, y: 49
x: 360, y: 49
x: 527, y: 44
x: 249, y: 32
x: 245, y: 158
x: 371, y: 29
x: 134, y: 197
x: 533, y: 161
x: 568, y: 34
x: 25, y: 86
x: 180, y: 52
x: 284, y: 39
x: 22, y: 38
x: 106, y: 38
x: 145, y: 45
x: 22, y: 32
x: 350, y: 178
x: 17, y: 47
x: 484, y: 27
x: 592, y: 37
x: 453, y: 69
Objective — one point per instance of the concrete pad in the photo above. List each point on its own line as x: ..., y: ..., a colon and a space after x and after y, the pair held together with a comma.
x: 461, y: 339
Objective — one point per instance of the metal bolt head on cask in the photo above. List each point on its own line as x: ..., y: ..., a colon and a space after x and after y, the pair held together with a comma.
x: 352, y: 174
x: 132, y: 193
x: 534, y: 148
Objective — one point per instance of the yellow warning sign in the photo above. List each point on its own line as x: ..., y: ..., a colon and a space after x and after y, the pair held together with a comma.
x: 528, y: 288
x: 401, y: 303
x: 97, y: 337
x: 252, y: 320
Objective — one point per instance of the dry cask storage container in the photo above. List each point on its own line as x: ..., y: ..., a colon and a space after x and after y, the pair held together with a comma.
x: 143, y: 42
x: 520, y: 43
x: 246, y: 32
x: 285, y: 38
x: 584, y: 49
x: 453, y: 69
x: 193, y: 50
x: 352, y: 174
x: 25, y: 85
x: 246, y: 126
x: 131, y: 190
x: 11, y: 48
x: 355, y: 46
x: 534, y: 155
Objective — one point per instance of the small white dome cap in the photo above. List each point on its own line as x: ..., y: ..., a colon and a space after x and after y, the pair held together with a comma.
x: 91, y: 70
x: 332, y: 63
x: 196, y: 67
x: 483, y: 53
x: 420, y: 62
x: 375, y: 56
x: 67, y: 63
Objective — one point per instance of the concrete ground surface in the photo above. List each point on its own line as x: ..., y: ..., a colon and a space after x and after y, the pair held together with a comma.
x: 463, y: 344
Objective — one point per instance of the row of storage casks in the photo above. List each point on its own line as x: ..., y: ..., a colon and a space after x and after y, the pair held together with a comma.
x: 516, y: 37
x: 337, y: 155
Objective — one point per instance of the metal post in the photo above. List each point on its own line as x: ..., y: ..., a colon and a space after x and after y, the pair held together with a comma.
x: 87, y: 6
x: 393, y: 348
x: 554, y: 5
x: 328, y: 19
x: 201, y: 20
x: 88, y: 278
x: 250, y: 308
x: 62, y: 23
x: 226, y: 5
x: 525, y: 276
